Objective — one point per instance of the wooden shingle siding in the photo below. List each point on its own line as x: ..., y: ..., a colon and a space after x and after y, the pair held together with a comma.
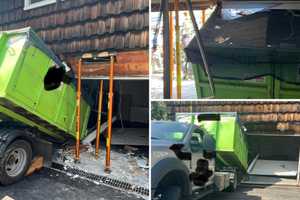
x: 79, y: 26
x: 259, y: 116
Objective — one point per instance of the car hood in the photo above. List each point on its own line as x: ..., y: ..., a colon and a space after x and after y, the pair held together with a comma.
x: 160, y: 149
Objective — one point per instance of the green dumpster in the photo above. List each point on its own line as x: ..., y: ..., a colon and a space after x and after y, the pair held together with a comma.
x: 263, y: 87
x: 249, y: 56
x: 24, y: 62
x: 260, y: 88
x: 231, y: 144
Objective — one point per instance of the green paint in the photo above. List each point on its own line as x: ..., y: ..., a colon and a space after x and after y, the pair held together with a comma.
x: 178, y: 136
x: 231, y: 144
x: 260, y: 88
x: 23, y: 67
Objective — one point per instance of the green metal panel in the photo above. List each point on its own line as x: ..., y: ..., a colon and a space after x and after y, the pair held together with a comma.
x: 287, y: 90
x: 265, y: 87
x: 232, y: 89
x: 231, y: 144
x: 23, y: 66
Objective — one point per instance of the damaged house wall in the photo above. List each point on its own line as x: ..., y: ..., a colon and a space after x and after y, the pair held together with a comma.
x: 258, y: 116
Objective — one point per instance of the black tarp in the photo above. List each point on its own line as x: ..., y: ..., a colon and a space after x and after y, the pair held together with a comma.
x: 263, y: 43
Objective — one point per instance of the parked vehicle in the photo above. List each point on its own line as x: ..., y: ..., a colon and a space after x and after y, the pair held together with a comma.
x: 184, y: 161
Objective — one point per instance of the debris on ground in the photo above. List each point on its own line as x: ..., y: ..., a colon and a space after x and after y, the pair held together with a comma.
x: 7, y: 198
x: 59, y: 186
x: 126, y: 164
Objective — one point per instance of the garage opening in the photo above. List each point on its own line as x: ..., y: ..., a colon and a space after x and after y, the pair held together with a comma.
x: 130, y: 111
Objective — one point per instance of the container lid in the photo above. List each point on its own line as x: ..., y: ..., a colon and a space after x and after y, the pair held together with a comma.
x: 259, y: 44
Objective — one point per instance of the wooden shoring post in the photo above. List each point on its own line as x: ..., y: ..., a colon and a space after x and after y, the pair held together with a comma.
x: 100, y: 96
x: 171, y: 33
x: 203, y: 17
x: 178, y: 56
x: 110, y: 110
x: 78, y: 104
x: 298, y: 174
x: 166, y: 49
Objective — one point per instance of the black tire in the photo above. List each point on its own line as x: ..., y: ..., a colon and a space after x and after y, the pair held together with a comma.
x: 170, y: 193
x: 7, y: 176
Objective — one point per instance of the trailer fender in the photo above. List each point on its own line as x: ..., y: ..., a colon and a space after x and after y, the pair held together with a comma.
x: 8, y: 135
x: 40, y: 147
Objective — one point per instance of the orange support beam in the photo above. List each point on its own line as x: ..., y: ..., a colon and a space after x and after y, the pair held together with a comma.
x: 203, y: 17
x: 77, y: 152
x: 171, y: 33
x: 99, y: 118
x: 110, y: 109
x: 178, y: 54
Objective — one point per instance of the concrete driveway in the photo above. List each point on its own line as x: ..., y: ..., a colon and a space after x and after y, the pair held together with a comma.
x: 51, y: 185
x: 259, y: 193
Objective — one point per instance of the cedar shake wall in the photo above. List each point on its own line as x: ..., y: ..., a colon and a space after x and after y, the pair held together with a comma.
x: 259, y: 116
x: 74, y: 27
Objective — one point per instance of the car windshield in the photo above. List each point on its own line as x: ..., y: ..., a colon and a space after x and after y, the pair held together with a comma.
x: 171, y: 131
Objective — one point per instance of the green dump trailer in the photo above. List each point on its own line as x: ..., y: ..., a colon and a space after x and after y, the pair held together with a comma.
x: 231, y: 144
x: 36, y: 99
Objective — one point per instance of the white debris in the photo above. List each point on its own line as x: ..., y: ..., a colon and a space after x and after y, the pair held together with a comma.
x: 96, y: 182
x: 75, y: 176
x: 142, y: 163
x: 7, y: 198
x: 125, y: 167
x: 217, y: 27
x: 69, y: 174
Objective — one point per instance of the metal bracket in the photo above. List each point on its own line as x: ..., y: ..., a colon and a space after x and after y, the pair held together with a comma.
x: 201, y: 46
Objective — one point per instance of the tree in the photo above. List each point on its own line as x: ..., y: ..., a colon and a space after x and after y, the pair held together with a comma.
x: 159, y: 111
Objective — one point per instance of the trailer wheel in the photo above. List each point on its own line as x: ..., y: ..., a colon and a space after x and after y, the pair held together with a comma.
x: 15, y: 162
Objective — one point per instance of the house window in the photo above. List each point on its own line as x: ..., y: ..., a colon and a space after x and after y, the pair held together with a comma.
x: 30, y: 4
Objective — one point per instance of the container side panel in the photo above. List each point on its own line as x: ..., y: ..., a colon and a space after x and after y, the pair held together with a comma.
x: 10, y: 53
x: 255, y: 88
x: 25, y: 91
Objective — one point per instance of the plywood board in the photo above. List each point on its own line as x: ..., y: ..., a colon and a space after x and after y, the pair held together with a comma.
x: 275, y: 168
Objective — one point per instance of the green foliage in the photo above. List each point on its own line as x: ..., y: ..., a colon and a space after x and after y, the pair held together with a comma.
x: 159, y: 111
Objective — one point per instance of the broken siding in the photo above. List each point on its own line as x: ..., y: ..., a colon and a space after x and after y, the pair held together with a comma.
x: 73, y: 27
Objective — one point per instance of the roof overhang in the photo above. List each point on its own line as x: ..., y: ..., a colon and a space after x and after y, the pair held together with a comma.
x: 234, y: 4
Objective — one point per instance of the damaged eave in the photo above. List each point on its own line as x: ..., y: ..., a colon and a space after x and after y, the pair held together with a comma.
x: 267, y: 4
x: 131, y: 65
x: 197, y: 4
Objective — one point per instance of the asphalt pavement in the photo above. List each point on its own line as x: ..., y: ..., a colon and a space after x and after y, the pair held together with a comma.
x: 48, y: 184
x: 259, y: 193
